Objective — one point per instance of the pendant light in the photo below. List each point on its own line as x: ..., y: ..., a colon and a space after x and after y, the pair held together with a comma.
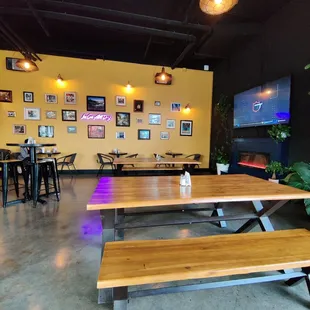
x: 163, y: 77
x: 26, y: 65
x: 216, y: 7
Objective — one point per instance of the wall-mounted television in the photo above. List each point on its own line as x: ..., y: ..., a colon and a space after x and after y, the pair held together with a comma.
x: 263, y: 105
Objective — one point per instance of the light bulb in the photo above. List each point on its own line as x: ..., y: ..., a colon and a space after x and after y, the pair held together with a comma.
x: 26, y: 65
x: 218, y: 2
x: 163, y: 77
x: 128, y: 86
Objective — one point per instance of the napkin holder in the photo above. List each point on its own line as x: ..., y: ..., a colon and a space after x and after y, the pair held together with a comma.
x: 185, y: 179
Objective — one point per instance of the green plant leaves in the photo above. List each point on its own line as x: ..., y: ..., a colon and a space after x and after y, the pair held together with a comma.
x: 307, y: 204
x: 303, y: 170
x: 307, y: 67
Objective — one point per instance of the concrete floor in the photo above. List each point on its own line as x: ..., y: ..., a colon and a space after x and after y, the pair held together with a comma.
x: 49, y: 258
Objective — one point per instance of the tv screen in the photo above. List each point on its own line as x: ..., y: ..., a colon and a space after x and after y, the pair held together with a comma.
x: 263, y: 105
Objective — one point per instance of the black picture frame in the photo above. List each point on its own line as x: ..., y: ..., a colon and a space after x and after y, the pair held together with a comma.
x: 122, y: 119
x: 65, y: 117
x: 186, y: 128
x: 138, y: 106
x: 47, y: 129
x: 28, y: 97
x: 6, y: 96
x: 142, y: 132
x: 96, y: 103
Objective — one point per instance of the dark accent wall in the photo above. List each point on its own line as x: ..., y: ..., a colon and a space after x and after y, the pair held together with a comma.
x: 282, y: 49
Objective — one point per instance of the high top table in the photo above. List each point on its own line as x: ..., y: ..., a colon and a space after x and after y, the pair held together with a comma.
x: 34, y: 167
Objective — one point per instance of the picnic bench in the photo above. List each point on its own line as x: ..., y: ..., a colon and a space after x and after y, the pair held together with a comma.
x: 123, y: 265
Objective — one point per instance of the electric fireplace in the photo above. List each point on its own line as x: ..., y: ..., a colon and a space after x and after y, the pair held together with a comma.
x: 253, y: 159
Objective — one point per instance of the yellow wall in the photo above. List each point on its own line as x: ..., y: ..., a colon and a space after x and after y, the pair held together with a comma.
x: 107, y: 78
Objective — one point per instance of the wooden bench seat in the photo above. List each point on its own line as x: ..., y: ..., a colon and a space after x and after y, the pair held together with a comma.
x: 162, y: 168
x: 129, y: 263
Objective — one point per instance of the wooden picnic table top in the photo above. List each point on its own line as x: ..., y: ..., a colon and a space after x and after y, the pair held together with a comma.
x: 135, y: 192
x: 162, y: 161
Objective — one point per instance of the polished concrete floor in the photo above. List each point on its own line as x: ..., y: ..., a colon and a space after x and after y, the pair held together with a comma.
x: 49, y: 258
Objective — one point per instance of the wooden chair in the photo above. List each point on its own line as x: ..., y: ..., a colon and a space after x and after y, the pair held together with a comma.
x: 105, y: 160
x: 5, y: 154
x: 194, y: 157
x: 201, y: 258
x: 67, y: 161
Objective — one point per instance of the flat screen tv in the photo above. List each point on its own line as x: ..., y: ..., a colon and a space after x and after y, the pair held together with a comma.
x: 263, y: 105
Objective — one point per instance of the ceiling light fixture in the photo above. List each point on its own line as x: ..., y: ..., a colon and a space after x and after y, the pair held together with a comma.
x: 26, y: 65
x: 163, y: 77
x: 217, y: 7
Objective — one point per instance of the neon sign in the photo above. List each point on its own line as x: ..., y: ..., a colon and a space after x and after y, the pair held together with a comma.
x: 95, y: 117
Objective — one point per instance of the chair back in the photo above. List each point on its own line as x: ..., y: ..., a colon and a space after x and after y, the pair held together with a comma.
x: 104, y: 158
x: 156, y: 154
x: 132, y: 156
x: 5, y: 154
x: 70, y: 158
x: 195, y: 156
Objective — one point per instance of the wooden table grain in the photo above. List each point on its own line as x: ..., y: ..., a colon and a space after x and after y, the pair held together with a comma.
x: 154, y: 161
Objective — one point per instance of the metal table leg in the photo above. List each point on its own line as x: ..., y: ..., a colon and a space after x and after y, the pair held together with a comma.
x: 108, y: 219
x: 4, y: 184
x: 219, y: 212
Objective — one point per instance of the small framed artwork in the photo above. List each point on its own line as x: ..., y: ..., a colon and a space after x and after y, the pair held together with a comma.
x: 157, y: 103
x: 32, y: 114
x: 51, y: 114
x: 28, y: 96
x: 71, y: 129
x: 70, y: 97
x: 186, y: 128
x: 164, y: 135
x: 46, y: 131
x: 121, y: 135
x: 120, y: 101
x: 139, y: 120
x: 6, y: 96
x: 96, y: 131
x: 138, y: 105
x: 154, y: 119
x: 122, y: 119
x: 19, y: 129
x: 69, y: 115
x: 170, y: 124
x: 144, y: 134
x: 96, y: 103
x: 175, y: 107
x: 50, y: 98
x: 11, y: 114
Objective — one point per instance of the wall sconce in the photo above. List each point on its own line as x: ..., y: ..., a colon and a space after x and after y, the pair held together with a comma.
x: 187, y: 108
x: 128, y: 86
x: 26, y: 65
x: 59, y: 79
x: 163, y: 77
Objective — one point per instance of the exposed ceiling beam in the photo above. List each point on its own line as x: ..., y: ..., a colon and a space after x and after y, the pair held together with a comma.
x: 147, y: 47
x: 37, y: 17
x: 185, y: 52
x: 102, y: 23
x: 121, y: 14
x: 238, y: 29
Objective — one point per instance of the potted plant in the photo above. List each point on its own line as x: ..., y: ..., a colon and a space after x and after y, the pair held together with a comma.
x: 279, y: 133
x: 299, y: 177
x: 275, y: 168
x: 222, y: 161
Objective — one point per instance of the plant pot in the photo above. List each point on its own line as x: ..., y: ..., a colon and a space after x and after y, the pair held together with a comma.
x: 222, y: 168
x: 273, y: 181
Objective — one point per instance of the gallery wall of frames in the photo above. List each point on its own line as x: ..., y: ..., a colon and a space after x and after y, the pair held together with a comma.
x: 91, y: 110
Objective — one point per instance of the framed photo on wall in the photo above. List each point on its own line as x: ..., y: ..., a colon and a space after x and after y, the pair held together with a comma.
x: 121, y: 135
x: 96, y: 131
x: 164, y: 135
x: 138, y: 105
x: 71, y: 129
x: 70, y: 97
x: 186, y: 128
x: 122, y: 119
x: 96, y: 103
x: 28, y: 96
x: 50, y: 114
x: 32, y: 114
x: 120, y: 101
x: 19, y: 129
x: 11, y: 114
x: 170, y: 124
x: 69, y: 115
x: 46, y: 131
x: 157, y: 103
x: 175, y: 107
x: 50, y: 98
x: 144, y: 134
x: 154, y: 119
x: 6, y: 96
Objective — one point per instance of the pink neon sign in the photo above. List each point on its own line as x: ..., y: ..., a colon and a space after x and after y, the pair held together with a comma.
x: 95, y: 117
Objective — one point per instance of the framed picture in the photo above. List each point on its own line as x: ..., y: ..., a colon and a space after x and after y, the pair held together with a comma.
x: 121, y: 135
x: 28, y: 96
x: 19, y: 129
x: 157, y: 103
x: 96, y: 103
x: 175, y: 107
x: 46, y: 131
x: 51, y: 114
x: 33, y: 114
x: 11, y: 114
x: 164, y: 135
x: 6, y: 96
x: 50, y: 98
x: 139, y: 120
x: 96, y: 131
x: 120, y: 101
x: 70, y: 97
x: 154, y: 119
x: 69, y: 115
x: 170, y: 124
x: 144, y: 134
x: 186, y: 128
x: 122, y: 119
x: 71, y: 129
x: 138, y: 105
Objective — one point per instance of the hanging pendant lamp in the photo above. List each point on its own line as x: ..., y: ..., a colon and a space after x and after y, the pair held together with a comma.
x: 26, y: 65
x: 217, y: 7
